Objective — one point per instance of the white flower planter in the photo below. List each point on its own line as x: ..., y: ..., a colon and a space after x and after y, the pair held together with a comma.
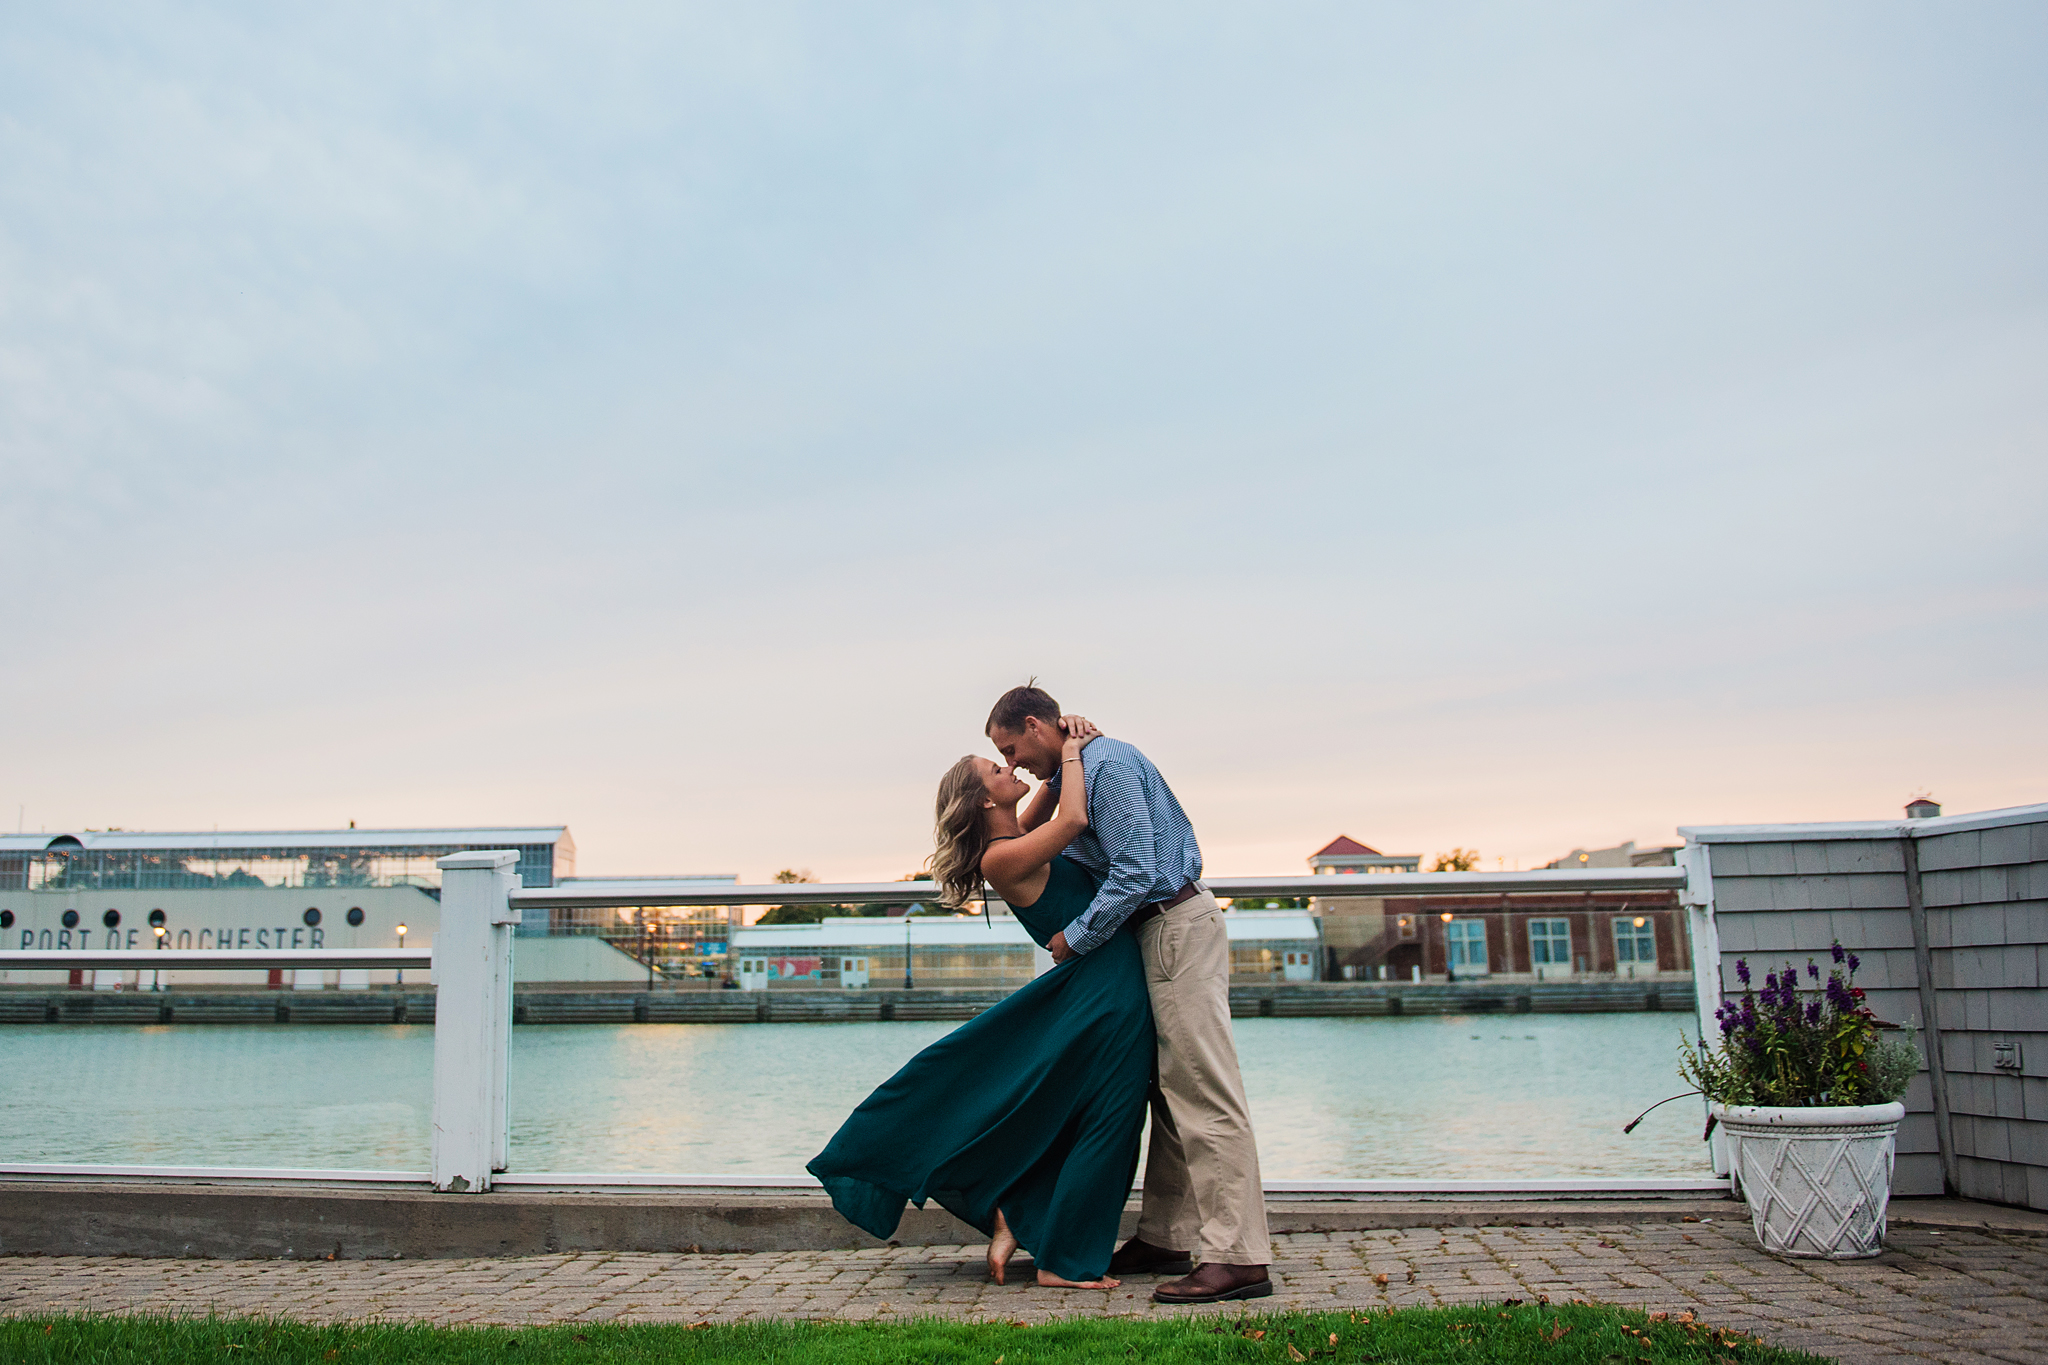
x: 1816, y: 1180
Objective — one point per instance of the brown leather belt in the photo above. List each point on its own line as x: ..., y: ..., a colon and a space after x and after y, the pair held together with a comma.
x: 1148, y: 913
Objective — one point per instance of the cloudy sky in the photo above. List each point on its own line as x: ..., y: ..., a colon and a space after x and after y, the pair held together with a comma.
x: 1506, y: 426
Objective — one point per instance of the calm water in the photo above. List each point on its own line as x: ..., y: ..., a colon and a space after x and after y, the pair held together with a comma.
x: 1448, y: 1097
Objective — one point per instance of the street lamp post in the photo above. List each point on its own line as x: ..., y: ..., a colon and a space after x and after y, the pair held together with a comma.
x: 401, y: 948
x: 907, y: 985
x: 1450, y: 967
x: 156, y: 979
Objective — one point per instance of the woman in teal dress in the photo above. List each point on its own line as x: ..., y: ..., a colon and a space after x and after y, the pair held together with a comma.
x: 1023, y: 1122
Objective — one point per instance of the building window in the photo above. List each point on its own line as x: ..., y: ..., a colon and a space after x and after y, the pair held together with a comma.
x: 1635, y: 940
x: 1550, y: 943
x: 1465, y: 942
x: 1404, y: 926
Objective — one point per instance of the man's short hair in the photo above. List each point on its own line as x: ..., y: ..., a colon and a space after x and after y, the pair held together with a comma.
x: 1014, y: 705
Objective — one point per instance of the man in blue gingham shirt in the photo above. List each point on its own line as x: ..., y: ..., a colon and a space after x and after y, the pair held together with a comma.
x: 1203, y: 1198
x: 1138, y: 840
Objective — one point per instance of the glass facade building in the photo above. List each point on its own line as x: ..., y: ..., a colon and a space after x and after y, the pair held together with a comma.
x: 131, y: 860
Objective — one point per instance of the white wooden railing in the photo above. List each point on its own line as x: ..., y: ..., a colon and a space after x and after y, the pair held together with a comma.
x: 471, y: 1135
x: 481, y: 900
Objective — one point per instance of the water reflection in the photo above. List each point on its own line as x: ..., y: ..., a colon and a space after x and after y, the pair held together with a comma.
x: 1432, y: 1097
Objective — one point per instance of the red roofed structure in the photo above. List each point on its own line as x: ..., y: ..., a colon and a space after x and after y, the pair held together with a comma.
x: 1346, y: 854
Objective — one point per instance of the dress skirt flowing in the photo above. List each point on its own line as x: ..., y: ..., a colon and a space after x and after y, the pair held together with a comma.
x: 1034, y: 1107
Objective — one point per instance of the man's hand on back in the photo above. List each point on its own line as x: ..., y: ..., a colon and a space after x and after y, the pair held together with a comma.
x: 1059, y: 949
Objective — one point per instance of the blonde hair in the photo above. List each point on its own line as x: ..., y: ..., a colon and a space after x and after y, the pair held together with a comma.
x: 960, y: 833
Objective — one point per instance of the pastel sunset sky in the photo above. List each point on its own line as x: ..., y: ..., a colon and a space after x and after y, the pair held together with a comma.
x: 1507, y: 426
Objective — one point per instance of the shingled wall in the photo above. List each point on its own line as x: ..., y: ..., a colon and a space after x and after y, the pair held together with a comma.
x: 1786, y: 892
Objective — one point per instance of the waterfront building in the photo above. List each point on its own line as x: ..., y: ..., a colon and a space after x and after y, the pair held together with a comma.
x: 680, y: 941
x: 348, y: 888
x: 1524, y: 936
x: 1346, y: 855
x: 968, y: 950
x: 1621, y: 855
x: 314, y: 859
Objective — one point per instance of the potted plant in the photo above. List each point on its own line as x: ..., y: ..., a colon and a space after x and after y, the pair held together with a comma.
x: 1805, y: 1084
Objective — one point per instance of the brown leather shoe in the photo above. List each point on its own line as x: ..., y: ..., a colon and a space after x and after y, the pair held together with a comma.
x: 1214, y: 1282
x: 1139, y: 1257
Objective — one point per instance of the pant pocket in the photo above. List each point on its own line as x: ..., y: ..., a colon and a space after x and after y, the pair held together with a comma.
x: 1166, y: 950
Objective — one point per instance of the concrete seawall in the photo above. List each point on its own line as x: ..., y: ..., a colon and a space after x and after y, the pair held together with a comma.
x: 1322, y: 999
x: 39, y: 1218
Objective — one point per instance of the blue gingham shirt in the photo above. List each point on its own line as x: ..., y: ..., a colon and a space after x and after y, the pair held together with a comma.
x: 1138, y: 840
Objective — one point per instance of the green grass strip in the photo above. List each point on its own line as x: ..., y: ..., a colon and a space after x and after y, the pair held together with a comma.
x: 1561, y: 1335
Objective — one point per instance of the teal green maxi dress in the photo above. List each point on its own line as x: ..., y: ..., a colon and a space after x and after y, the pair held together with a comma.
x: 1035, y: 1106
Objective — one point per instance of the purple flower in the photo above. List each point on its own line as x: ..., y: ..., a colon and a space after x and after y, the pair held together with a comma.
x: 1742, y: 969
x: 1813, y: 1013
x: 1838, y: 994
x: 1813, y: 971
x: 1837, y: 951
x: 1853, y: 964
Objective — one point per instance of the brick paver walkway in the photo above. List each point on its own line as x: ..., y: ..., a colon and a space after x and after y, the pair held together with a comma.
x: 1953, y: 1296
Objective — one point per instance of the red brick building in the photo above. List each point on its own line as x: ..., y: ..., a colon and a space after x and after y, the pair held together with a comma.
x: 1548, y: 936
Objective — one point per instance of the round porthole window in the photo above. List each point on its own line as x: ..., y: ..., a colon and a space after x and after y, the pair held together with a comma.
x: 6, y: 919
x: 355, y: 916
x: 156, y: 919
x: 70, y: 920
x: 312, y: 915
x: 111, y: 919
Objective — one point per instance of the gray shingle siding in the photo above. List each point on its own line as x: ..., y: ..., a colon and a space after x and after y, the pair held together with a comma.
x: 1782, y: 896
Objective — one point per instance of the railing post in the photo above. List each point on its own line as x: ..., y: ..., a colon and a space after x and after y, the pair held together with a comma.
x: 504, y: 930
x: 472, y: 1018
x: 1698, y: 899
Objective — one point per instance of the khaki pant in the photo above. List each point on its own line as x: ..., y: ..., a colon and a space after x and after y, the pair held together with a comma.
x: 1202, y: 1187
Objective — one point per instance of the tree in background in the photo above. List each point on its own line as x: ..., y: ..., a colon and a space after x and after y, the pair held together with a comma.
x: 812, y: 914
x: 1457, y: 860
x: 920, y: 908
x: 796, y: 914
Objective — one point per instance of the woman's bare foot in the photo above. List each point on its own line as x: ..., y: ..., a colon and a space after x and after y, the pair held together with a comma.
x: 1001, y: 1248
x: 1048, y: 1280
